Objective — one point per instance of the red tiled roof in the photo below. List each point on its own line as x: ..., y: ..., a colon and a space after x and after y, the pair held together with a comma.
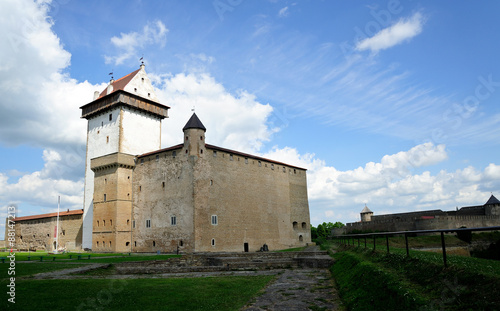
x: 120, y: 83
x: 179, y: 146
x: 67, y: 213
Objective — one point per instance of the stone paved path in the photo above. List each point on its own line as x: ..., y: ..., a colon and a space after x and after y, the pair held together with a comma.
x: 297, y: 290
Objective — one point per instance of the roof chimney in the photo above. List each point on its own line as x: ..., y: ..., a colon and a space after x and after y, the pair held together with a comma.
x: 110, y: 88
x: 96, y: 95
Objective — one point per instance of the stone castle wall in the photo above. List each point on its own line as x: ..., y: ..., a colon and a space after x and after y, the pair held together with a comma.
x: 256, y: 202
x: 415, y: 223
x: 40, y: 233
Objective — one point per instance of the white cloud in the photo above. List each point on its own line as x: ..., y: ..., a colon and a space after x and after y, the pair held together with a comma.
x: 128, y: 43
x: 390, y: 185
x: 283, y: 12
x: 232, y: 121
x: 403, y: 30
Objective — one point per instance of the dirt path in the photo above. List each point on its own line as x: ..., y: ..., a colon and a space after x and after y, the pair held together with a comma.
x: 297, y: 290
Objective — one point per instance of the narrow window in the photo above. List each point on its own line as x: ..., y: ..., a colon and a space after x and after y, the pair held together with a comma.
x: 214, y: 219
x: 163, y: 185
x: 97, y: 244
x: 107, y: 139
x: 246, y: 160
x: 135, y: 243
x: 301, y: 238
x: 284, y: 169
x: 133, y: 223
x: 142, y: 161
x: 105, y: 197
x: 140, y: 188
x: 148, y: 223
x: 213, y: 242
x: 174, y: 154
x: 105, y: 181
x: 201, y: 137
x: 102, y: 123
x: 154, y: 243
x: 295, y: 225
x: 303, y: 225
x: 231, y: 157
x: 272, y: 166
x: 211, y: 182
x: 201, y: 151
x: 98, y: 223
x: 63, y: 233
x: 142, y: 79
x: 109, y: 243
x: 128, y: 222
x: 149, y: 94
x: 157, y: 157
x: 215, y: 153
x: 135, y: 89
x: 260, y: 164
x: 173, y: 220
x: 111, y: 222
x: 294, y: 171
x: 103, y: 244
x: 104, y: 223
x: 110, y: 117
x: 186, y: 138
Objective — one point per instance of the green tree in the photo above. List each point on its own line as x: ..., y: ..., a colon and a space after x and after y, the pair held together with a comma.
x: 314, y: 232
x: 321, y: 231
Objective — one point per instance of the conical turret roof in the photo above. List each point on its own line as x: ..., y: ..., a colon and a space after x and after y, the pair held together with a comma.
x: 366, y: 210
x: 194, y: 123
x: 492, y: 201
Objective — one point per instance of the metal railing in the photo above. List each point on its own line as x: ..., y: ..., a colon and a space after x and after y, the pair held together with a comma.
x: 345, y: 239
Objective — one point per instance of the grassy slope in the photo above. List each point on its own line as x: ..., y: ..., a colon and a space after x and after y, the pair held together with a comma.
x: 220, y: 293
x: 366, y: 280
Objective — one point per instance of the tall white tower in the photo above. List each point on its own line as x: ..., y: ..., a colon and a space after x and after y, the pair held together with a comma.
x: 126, y: 118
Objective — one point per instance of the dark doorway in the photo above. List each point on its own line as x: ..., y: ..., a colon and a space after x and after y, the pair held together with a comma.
x: 245, y: 246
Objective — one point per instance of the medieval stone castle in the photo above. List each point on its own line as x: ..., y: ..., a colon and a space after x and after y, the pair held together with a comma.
x: 193, y: 196
x: 487, y: 215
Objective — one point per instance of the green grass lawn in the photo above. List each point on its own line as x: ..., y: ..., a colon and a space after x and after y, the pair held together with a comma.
x: 25, y: 269
x: 218, y: 293
x: 94, y: 257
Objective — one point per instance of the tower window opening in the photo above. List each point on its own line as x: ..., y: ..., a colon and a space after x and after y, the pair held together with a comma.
x: 201, y: 137
x: 135, y: 89
x: 163, y: 185
x: 174, y: 154
x: 215, y: 153
x: 154, y: 243
x: 135, y: 243
x: 304, y: 225
x: 133, y: 223
x: 213, y: 242
x: 231, y: 157
x: 214, y: 220
x: 148, y: 223
x: 211, y: 182
x: 127, y: 244
x: 295, y: 225
x: 272, y: 166
x: 142, y: 161
x: 110, y: 117
x: 104, y: 223
x: 142, y: 79
x: 107, y: 139
x: 260, y: 164
x: 157, y: 158
x: 105, y: 197
x: 201, y: 151
x: 246, y: 160
x: 111, y: 222
x: 173, y: 220
x: 149, y: 94
x: 181, y: 243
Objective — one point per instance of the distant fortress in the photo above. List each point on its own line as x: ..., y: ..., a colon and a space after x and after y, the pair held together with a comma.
x: 486, y: 215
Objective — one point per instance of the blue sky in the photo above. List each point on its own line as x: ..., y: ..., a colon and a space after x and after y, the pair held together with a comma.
x: 393, y: 103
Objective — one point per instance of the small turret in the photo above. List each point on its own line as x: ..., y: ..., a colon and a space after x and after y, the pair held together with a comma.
x: 366, y: 214
x: 194, y: 136
x: 492, y: 206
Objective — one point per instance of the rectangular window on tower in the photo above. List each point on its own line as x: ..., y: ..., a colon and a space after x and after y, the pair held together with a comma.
x: 214, y: 219
x: 110, y: 117
x: 173, y: 220
x: 148, y: 223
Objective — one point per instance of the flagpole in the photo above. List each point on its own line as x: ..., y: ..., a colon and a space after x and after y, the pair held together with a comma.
x: 57, y: 226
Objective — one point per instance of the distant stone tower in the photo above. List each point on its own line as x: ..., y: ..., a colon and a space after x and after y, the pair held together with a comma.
x: 194, y: 136
x: 492, y: 206
x: 124, y: 120
x: 366, y: 214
